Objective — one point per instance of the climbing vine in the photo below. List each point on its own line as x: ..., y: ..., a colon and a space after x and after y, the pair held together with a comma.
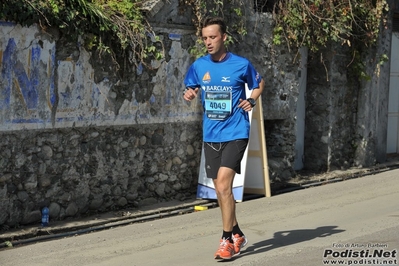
x: 108, y: 26
x: 304, y: 23
x: 314, y: 23
x: 298, y: 23
x: 311, y: 23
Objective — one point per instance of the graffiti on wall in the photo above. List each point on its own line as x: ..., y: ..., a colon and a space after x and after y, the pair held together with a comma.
x: 26, y: 77
x: 37, y: 91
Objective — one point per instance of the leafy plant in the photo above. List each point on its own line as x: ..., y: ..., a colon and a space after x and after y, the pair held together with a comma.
x: 314, y: 23
x: 318, y: 23
x: 101, y: 23
x: 298, y: 23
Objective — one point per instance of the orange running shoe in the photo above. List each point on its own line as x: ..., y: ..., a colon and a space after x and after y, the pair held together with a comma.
x: 225, y: 250
x: 239, y: 243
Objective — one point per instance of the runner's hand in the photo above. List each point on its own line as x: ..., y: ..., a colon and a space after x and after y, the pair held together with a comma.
x: 190, y: 94
x: 244, y: 104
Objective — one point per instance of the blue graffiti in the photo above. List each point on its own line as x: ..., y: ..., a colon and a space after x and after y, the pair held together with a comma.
x: 29, y: 85
x: 7, y: 23
x: 6, y: 73
x: 52, y: 77
x: 21, y: 83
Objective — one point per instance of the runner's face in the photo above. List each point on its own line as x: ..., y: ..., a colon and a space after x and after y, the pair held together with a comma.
x: 214, y: 40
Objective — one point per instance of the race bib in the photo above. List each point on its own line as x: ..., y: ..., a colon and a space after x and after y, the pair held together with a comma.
x: 218, y: 104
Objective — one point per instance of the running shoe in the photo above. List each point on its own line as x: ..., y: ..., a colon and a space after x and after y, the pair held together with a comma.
x: 239, y: 243
x: 225, y: 250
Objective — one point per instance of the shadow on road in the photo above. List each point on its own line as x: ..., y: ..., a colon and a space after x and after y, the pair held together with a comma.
x: 286, y: 238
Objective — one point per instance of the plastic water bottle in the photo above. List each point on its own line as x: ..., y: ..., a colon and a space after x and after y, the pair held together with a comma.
x: 45, y: 216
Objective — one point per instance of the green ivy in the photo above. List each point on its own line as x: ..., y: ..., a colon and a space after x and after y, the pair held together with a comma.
x: 304, y: 23
x: 102, y: 24
x: 314, y: 23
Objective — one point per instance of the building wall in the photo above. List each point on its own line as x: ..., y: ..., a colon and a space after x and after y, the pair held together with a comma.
x: 372, y: 118
x: 346, y: 118
x: 330, y: 111
x: 77, y: 138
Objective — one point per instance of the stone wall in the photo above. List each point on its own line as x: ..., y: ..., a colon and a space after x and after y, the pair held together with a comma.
x: 373, y: 99
x: 95, y: 169
x: 79, y: 136
x: 330, y: 111
x: 346, y: 118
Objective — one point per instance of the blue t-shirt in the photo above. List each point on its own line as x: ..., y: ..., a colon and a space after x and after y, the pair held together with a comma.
x: 222, y: 85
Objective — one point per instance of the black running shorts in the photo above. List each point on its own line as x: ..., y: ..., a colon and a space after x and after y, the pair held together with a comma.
x: 226, y: 154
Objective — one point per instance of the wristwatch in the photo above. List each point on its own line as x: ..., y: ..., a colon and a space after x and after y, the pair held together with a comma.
x: 252, y: 102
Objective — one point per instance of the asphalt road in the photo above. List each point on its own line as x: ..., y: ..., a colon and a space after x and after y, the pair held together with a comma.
x: 355, y: 221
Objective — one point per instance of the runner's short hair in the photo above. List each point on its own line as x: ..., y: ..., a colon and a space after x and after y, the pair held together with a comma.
x: 207, y: 21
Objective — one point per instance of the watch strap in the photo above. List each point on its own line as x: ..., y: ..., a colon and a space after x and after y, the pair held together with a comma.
x: 251, y: 101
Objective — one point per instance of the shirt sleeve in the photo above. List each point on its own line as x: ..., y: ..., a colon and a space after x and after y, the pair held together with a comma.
x: 253, y: 77
x: 191, y: 79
